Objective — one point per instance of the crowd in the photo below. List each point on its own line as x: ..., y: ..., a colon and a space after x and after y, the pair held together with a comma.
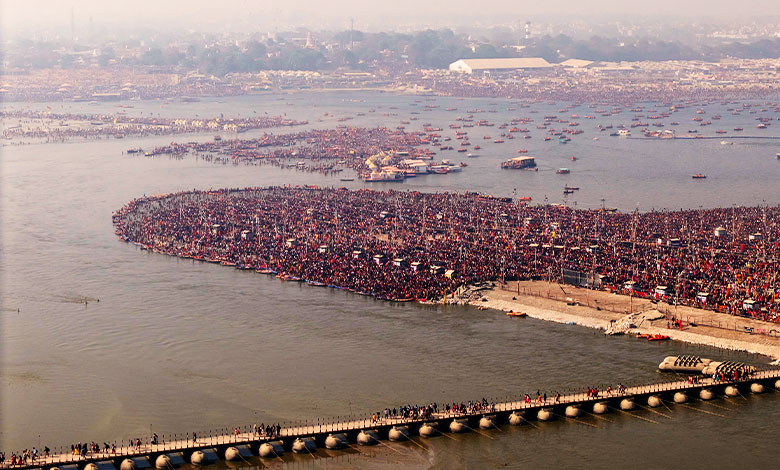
x: 411, y: 245
x: 633, y: 84
x: 59, y: 127
x: 322, y: 148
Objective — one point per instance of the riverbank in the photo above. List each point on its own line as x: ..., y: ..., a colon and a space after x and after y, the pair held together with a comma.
x: 598, y: 309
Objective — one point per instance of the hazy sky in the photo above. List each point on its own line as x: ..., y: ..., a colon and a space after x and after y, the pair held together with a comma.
x: 368, y: 14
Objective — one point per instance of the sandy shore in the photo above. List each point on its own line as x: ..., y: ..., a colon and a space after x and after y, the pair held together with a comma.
x: 596, y: 309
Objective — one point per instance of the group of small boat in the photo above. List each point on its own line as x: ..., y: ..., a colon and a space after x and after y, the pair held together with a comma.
x: 650, y: 337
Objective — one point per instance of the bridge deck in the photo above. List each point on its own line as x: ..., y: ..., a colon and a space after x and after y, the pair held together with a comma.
x: 356, y: 425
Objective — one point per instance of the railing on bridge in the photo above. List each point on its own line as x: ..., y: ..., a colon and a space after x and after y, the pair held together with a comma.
x: 245, y: 434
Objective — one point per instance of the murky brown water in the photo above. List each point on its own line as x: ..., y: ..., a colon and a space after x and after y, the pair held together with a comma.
x: 182, y: 346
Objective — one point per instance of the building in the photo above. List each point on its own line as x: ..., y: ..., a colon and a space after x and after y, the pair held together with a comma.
x: 576, y: 63
x: 483, y: 65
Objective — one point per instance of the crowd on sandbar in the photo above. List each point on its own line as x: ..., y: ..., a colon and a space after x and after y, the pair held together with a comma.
x: 60, y: 127
x: 411, y: 245
x: 325, y: 148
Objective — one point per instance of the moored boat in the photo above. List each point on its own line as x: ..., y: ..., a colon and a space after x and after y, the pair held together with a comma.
x: 512, y: 313
x: 519, y: 163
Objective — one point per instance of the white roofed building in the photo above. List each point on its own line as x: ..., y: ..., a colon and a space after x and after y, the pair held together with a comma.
x: 477, y: 65
x: 576, y: 63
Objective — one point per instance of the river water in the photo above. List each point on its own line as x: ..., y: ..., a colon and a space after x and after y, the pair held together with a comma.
x: 102, y: 341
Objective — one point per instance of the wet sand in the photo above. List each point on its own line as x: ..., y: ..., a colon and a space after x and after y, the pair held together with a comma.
x: 596, y: 309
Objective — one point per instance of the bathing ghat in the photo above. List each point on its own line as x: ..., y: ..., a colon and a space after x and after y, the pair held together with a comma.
x: 332, y: 436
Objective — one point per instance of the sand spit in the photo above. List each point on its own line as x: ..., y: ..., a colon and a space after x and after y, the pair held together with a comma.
x: 539, y: 300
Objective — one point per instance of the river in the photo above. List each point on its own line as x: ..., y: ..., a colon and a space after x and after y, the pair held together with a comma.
x: 102, y: 341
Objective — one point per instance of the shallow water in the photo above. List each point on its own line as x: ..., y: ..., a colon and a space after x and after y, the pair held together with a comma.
x: 182, y: 346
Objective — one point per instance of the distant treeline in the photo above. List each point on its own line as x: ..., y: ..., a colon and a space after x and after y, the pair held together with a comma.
x: 389, y: 52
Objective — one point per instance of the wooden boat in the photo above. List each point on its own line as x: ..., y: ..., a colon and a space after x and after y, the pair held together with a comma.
x: 657, y: 338
x: 698, y: 176
x: 512, y: 313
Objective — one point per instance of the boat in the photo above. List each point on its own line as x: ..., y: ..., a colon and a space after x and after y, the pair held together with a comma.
x: 573, y: 158
x: 563, y: 171
x: 572, y: 188
x: 643, y: 335
x: 657, y: 338
x: 524, y: 198
x: 698, y: 176
x: 568, y: 191
x: 347, y: 179
x: 519, y: 163
x: 440, y: 169
x: 512, y: 313
x: 472, y: 155
x: 391, y: 177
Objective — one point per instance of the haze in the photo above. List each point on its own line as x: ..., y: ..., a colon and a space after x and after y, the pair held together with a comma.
x: 248, y: 15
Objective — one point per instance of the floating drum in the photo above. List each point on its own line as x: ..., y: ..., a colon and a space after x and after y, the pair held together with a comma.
x: 335, y: 441
x: 600, y: 408
x: 653, y: 401
x: 627, y: 404
x: 517, y: 418
x: 127, y: 464
x: 706, y: 394
x: 777, y: 384
x: 572, y: 411
x: 458, y: 425
x: 731, y: 391
x: 197, y: 458
x: 426, y: 430
x: 486, y: 422
x: 367, y: 438
x: 398, y: 433
x: 231, y: 454
x: 680, y: 397
x: 756, y: 388
x: 266, y: 450
x: 163, y: 462
x: 544, y: 415
x: 304, y: 445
